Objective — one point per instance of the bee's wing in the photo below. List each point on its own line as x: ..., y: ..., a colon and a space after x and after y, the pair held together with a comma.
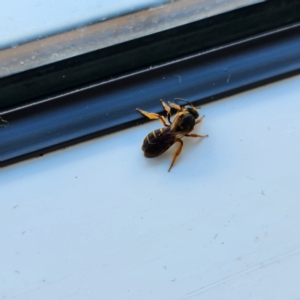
x: 162, y: 142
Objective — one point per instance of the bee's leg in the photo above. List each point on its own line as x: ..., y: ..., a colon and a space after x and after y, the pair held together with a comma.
x: 196, y: 135
x: 176, y: 153
x: 176, y: 121
x: 167, y: 109
x: 176, y: 106
x: 153, y: 116
x: 200, y: 119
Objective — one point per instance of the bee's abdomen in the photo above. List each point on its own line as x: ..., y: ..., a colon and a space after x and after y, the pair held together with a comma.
x: 150, y: 147
x: 154, y: 134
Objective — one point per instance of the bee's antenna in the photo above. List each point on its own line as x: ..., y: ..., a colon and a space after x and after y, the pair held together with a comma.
x: 183, y: 100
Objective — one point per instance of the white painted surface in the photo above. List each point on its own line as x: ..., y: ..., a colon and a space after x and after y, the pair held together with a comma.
x: 100, y: 221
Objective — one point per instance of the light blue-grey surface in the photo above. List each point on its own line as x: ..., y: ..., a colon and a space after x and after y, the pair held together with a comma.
x: 22, y: 21
x: 100, y: 221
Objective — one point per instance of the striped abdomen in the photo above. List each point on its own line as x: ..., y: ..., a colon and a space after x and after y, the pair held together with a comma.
x: 157, y: 142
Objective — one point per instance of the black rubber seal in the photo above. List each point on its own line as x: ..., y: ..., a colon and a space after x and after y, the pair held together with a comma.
x: 104, y: 64
x: 106, y: 108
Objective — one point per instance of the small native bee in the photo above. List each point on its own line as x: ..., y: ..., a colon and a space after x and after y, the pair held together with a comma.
x: 160, y: 140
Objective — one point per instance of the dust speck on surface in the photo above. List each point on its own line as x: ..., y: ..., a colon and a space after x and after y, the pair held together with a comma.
x: 179, y: 77
x: 3, y: 123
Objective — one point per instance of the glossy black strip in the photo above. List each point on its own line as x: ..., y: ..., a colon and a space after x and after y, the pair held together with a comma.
x: 105, y: 108
x: 101, y: 65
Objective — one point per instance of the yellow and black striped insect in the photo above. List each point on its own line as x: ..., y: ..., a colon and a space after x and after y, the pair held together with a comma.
x: 160, y: 140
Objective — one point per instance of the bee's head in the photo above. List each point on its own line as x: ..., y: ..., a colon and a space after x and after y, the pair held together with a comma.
x: 190, y: 108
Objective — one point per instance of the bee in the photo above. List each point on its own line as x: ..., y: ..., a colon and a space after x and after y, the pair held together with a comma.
x: 160, y: 140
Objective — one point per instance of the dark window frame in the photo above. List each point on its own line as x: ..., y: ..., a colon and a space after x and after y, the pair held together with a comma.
x: 214, y: 70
